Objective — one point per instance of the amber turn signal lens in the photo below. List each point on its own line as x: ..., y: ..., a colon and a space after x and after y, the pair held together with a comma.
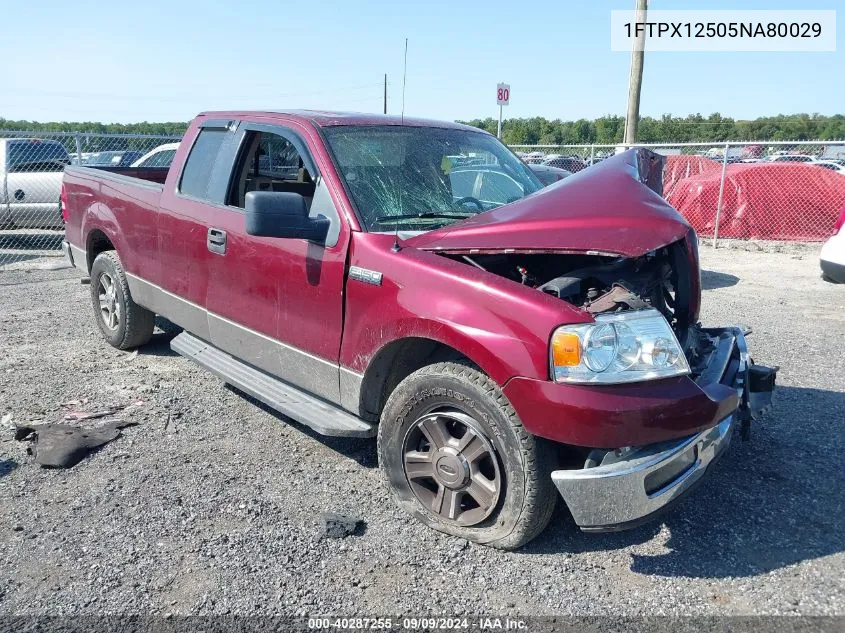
x: 566, y: 349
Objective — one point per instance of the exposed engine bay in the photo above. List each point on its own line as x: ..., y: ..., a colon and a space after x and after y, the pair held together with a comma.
x: 598, y: 284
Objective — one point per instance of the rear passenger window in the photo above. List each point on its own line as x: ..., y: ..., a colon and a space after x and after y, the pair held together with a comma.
x: 196, y: 176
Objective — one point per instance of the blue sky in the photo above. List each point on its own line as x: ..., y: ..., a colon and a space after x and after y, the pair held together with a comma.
x: 156, y: 61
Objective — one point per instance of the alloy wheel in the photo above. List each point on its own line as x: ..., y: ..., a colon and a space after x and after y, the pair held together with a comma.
x: 451, y: 467
x: 109, y: 305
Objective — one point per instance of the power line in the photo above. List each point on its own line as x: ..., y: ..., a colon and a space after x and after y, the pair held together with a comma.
x: 194, y: 97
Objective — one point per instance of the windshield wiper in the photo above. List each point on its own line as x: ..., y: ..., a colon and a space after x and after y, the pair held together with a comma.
x: 451, y: 215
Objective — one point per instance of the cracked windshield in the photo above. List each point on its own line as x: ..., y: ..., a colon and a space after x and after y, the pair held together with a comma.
x: 420, y: 178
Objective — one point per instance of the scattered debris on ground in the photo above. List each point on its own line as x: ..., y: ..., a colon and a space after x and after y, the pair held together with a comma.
x: 64, y: 446
x: 92, y: 415
x: 339, y: 526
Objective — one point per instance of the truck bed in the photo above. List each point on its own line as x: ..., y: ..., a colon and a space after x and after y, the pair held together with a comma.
x: 108, y: 198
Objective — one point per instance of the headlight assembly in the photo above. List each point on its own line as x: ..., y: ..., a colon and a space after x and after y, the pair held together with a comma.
x: 618, y: 347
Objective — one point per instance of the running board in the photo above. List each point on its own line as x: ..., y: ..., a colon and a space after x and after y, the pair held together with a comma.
x: 290, y: 401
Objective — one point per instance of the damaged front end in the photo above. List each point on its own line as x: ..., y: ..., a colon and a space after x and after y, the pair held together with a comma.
x: 622, y: 488
x: 632, y: 256
x: 666, y: 279
x: 618, y: 488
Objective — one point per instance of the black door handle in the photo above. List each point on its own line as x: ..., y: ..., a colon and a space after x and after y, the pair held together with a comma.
x: 216, y: 241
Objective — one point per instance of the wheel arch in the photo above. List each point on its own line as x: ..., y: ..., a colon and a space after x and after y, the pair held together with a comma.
x: 394, y: 362
x: 412, y: 348
x: 97, y: 242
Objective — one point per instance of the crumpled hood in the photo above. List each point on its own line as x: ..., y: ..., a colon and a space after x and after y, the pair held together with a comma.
x: 613, y: 207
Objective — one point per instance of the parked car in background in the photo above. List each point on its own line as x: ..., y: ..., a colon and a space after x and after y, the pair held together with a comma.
x: 30, y: 183
x: 508, y: 344
x: 763, y: 201
x: 484, y: 185
x: 750, y: 152
x: 120, y: 158
x: 832, y: 165
x: 832, y: 258
x: 161, y: 156
x: 75, y: 158
x: 534, y: 157
x: 547, y: 174
x: 572, y: 164
x: 792, y: 158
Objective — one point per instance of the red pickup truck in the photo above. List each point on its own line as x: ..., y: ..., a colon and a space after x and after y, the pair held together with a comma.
x: 370, y: 275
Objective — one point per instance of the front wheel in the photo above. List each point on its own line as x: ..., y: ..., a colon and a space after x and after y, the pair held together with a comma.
x: 123, y: 323
x: 457, y: 458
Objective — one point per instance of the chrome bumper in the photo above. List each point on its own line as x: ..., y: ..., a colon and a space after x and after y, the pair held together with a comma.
x: 619, y: 496
x: 622, y: 494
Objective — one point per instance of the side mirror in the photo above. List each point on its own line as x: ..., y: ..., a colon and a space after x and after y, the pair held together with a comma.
x: 282, y: 214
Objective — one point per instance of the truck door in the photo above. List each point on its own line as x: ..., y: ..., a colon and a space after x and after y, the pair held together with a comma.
x: 277, y: 303
x: 187, y: 209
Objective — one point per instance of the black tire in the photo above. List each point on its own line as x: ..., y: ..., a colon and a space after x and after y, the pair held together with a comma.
x: 526, y: 495
x: 132, y: 324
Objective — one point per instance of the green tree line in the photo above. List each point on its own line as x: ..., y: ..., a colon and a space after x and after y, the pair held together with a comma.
x: 539, y: 130
x: 668, y: 128
x: 175, y: 128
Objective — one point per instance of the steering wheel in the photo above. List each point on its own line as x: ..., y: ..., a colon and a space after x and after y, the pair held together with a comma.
x: 475, y: 201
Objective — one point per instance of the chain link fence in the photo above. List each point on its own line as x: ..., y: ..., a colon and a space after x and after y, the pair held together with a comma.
x: 777, y: 191
x: 31, y: 166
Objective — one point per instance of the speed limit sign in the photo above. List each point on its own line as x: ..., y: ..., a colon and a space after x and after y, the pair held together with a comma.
x: 503, y: 94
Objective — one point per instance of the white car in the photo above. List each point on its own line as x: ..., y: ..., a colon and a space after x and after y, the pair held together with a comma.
x: 161, y: 156
x: 831, y: 165
x: 792, y: 158
x: 832, y: 257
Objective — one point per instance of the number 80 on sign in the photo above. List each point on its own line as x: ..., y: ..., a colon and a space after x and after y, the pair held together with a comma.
x: 503, y: 94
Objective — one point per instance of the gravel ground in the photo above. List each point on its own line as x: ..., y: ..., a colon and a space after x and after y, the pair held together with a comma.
x: 30, y: 248
x: 211, y: 504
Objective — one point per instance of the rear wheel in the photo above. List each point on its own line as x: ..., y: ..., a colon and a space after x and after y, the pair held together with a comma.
x: 457, y: 458
x: 122, y: 322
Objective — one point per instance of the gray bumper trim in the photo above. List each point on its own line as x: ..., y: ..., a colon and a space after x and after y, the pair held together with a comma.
x: 619, y: 495
x: 76, y: 256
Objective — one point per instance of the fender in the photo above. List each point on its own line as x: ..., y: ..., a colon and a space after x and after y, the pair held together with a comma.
x: 500, y: 325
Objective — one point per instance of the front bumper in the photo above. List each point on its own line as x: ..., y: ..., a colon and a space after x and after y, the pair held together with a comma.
x: 632, y: 487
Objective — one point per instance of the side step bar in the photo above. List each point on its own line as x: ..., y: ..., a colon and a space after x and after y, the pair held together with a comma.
x: 284, y: 398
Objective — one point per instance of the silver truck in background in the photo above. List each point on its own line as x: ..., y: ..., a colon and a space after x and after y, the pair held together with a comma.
x: 30, y: 183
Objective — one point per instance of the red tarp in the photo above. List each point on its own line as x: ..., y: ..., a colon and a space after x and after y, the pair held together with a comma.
x: 680, y: 166
x: 768, y: 201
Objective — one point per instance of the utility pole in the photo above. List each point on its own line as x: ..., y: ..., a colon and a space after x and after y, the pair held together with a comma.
x: 385, y: 93
x: 635, y: 81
